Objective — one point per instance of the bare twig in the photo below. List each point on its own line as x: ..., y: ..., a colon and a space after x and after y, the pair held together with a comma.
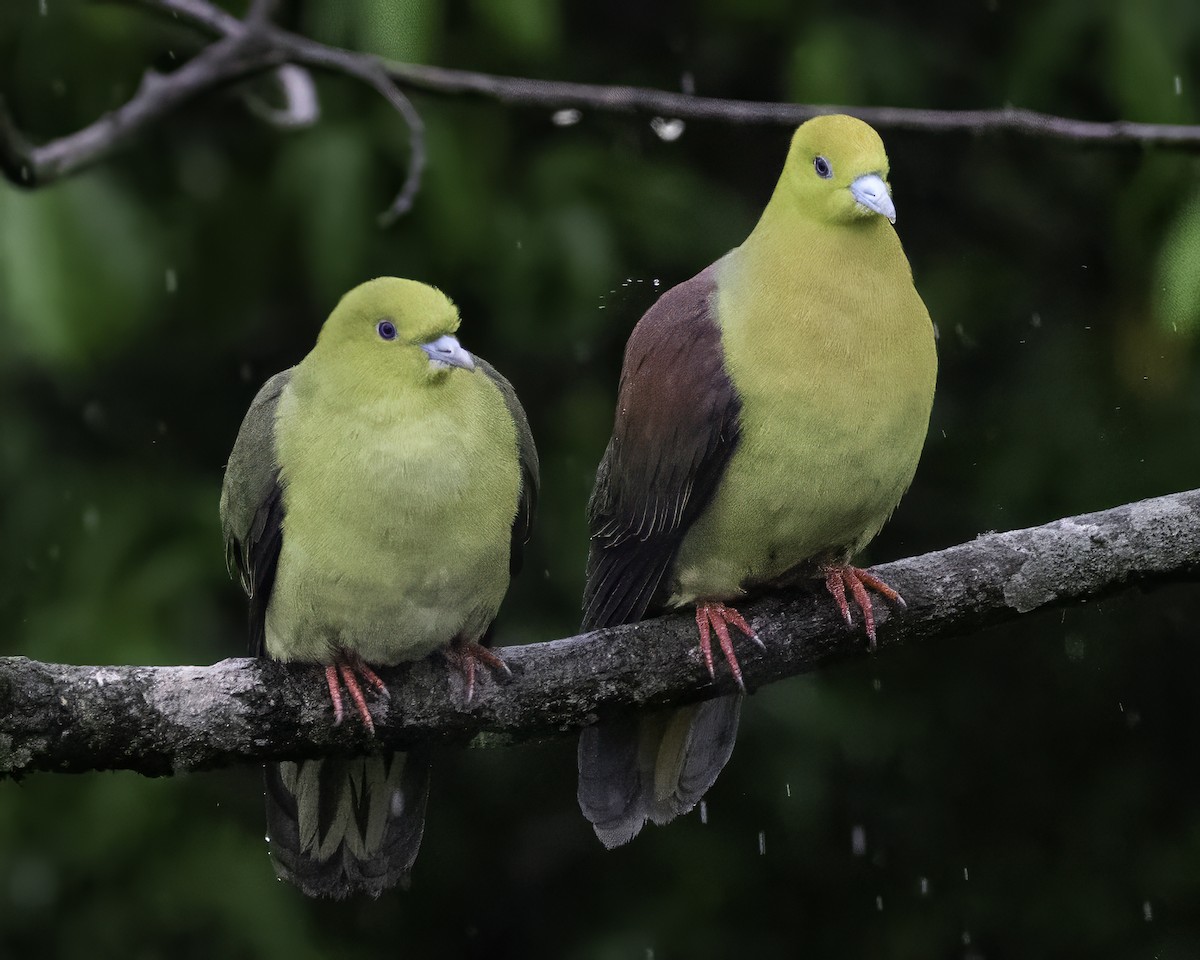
x: 245, y: 48
x: 554, y: 95
x: 232, y: 58
x: 301, y: 107
x: 159, y: 720
x: 257, y: 44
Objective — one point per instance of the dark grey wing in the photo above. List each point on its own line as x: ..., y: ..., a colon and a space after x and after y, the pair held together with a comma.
x: 527, y: 455
x: 675, y: 429
x: 252, y: 506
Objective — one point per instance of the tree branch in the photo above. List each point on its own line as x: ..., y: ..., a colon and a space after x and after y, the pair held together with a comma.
x: 518, y: 91
x: 161, y: 720
x: 256, y: 44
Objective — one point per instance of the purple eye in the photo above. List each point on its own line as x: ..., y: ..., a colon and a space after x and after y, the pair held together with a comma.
x: 824, y: 170
x: 386, y: 329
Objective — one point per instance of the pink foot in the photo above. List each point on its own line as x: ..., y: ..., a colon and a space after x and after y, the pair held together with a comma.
x: 346, y: 669
x: 465, y: 655
x: 716, y: 617
x: 839, y: 579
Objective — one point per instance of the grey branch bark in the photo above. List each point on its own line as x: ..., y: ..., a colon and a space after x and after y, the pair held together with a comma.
x: 161, y: 720
x: 254, y: 45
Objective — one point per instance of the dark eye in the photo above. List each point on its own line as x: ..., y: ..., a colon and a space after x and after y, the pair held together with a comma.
x: 386, y: 329
x: 824, y: 170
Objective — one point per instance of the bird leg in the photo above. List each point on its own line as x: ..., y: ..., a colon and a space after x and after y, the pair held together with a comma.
x: 716, y: 617
x: 465, y: 654
x: 840, y: 578
x: 346, y: 669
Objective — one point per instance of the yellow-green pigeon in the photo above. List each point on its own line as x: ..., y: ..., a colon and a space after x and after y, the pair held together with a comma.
x: 770, y: 416
x: 376, y: 504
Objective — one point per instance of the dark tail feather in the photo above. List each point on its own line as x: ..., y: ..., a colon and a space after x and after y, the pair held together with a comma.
x: 341, y: 826
x: 653, y: 767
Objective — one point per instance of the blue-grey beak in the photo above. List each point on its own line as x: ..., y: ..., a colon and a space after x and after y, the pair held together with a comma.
x: 446, y: 351
x: 871, y: 192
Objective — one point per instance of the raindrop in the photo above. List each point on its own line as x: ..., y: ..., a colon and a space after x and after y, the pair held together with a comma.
x: 879, y: 904
x: 1035, y: 320
x: 566, y: 117
x: 43, y: 9
x: 1147, y: 911
x: 858, y: 840
x: 172, y: 280
x: 171, y: 54
x: 1120, y: 706
x: 877, y: 684
x: 687, y: 83
x: 762, y: 843
x: 787, y: 787
x: 924, y: 886
x: 667, y: 130
x: 657, y: 281
x: 965, y: 876
x: 703, y: 812
x: 1178, y: 85
x: 966, y: 938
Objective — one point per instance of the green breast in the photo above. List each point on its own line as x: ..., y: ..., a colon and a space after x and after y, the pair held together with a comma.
x: 397, y: 522
x: 832, y: 354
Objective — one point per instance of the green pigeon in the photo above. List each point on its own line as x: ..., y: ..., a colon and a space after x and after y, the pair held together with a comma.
x: 770, y: 416
x: 376, y: 504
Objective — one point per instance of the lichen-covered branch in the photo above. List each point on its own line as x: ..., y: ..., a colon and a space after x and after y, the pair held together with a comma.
x: 159, y: 720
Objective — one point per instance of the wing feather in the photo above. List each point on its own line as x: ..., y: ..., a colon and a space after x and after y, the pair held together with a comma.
x: 676, y: 427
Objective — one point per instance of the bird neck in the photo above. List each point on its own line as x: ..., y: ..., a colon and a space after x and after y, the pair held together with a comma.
x: 788, y: 239
x: 826, y: 291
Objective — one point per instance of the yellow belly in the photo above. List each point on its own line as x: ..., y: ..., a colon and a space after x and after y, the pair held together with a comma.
x: 395, y: 540
x: 836, y: 385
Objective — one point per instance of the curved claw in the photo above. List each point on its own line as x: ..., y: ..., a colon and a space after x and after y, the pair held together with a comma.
x: 839, y: 579
x: 465, y: 655
x: 345, y: 670
x: 716, y: 617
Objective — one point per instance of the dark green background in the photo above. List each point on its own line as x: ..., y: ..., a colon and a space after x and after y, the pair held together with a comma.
x: 1040, y: 781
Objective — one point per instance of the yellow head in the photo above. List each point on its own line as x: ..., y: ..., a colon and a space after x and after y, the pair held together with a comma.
x: 393, y: 330
x: 836, y: 172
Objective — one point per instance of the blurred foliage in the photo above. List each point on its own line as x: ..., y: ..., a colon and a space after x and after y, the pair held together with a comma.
x: 1031, y: 791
